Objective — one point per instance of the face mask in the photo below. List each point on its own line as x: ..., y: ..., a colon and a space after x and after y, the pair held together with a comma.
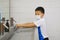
x: 37, y: 17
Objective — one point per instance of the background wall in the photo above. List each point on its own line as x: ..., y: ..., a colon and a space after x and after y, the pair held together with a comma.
x: 23, y: 11
x: 4, y: 8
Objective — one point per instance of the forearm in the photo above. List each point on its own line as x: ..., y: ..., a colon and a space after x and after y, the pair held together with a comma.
x: 26, y: 25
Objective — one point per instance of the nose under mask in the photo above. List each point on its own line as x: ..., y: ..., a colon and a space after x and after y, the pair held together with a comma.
x: 37, y: 17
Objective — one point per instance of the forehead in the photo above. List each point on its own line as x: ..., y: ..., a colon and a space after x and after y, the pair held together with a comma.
x: 37, y: 12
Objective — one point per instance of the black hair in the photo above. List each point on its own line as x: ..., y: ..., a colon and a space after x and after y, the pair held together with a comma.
x: 40, y: 9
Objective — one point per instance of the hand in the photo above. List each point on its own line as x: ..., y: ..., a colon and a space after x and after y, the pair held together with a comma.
x: 17, y: 26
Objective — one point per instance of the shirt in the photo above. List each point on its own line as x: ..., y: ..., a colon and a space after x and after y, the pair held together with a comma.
x: 40, y: 23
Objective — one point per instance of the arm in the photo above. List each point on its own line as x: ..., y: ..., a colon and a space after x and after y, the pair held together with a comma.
x: 26, y: 25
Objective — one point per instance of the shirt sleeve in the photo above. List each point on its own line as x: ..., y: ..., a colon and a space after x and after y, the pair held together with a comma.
x: 37, y: 23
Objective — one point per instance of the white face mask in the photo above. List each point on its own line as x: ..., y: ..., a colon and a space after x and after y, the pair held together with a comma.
x: 37, y: 17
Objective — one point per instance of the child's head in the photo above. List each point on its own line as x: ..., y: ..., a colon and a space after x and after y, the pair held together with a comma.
x: 40, y: 11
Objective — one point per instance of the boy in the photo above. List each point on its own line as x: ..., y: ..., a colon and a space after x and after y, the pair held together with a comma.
x: 39, y: 24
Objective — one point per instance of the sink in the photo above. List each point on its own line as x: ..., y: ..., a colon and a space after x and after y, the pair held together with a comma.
x: 23, y: 34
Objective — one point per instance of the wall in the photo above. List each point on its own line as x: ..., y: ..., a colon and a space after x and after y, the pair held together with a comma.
x: 23, y: 11
x: 4, y: 8
x: 52, y: 18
